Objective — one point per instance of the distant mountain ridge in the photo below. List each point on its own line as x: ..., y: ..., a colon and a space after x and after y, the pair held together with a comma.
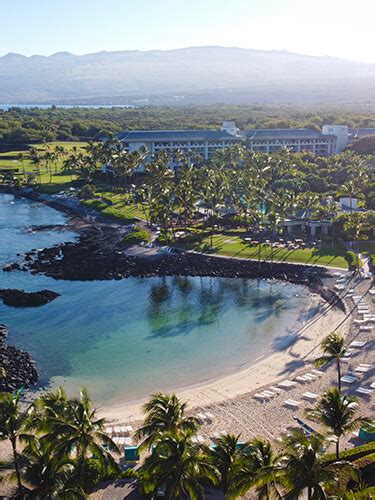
x: 189, y: 75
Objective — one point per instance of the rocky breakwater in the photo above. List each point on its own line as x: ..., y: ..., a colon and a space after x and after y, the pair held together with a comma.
x: 19, y: 369
x: 19, y: 298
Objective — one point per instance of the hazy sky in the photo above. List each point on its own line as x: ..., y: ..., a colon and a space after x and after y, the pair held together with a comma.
x: 343, y: 28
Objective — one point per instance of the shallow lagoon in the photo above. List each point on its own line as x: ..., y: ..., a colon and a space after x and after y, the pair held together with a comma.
x: 125, y: 339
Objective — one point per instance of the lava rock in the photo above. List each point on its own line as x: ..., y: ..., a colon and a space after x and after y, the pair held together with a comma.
x: 20, y: 298
x: 19, y: 367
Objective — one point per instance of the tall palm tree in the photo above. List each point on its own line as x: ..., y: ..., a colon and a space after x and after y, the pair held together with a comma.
x: 177, y: 466
x: 233, y: 464
x: 13, y: 425
x: 263, y: 460
x: 164, y: 413
x: 76, y: 431
x: 334, y: 350
x: 356, y: 225
x: 47, y: 474
x: 338, y: 413
x: 302, y: 467
x: 350, y: 190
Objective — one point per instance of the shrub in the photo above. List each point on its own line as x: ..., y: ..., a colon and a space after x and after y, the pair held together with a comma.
x: 87, y: 191
x: 136, y: 236
x: 351, y: 259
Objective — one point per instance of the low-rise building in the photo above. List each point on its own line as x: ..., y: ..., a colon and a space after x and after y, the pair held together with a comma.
x: 332, y: 139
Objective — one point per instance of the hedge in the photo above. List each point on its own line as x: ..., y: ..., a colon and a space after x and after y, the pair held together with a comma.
x: 354, y: 453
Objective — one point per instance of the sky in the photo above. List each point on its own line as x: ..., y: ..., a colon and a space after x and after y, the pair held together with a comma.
x: 341, y: 28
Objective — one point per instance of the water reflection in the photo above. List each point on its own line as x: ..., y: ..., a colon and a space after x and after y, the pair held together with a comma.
x: 178, y: 305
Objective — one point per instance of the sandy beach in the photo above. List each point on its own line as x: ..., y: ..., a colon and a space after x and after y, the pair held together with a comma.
x: 278, y: 365
x: 230, y: 399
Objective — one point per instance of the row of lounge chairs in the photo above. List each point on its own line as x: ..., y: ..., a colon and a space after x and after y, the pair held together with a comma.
x: 119, y: 430
x: 289, y: 384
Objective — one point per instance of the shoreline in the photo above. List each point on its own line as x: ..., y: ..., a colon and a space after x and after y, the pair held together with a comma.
x: 266, y: 370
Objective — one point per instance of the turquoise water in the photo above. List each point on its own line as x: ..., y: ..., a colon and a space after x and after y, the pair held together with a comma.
x: 125, y: 339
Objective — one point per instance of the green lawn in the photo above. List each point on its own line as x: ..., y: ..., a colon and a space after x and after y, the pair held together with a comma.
x: 119, y: 208
x: 59, y: 181
x: 235, y: 246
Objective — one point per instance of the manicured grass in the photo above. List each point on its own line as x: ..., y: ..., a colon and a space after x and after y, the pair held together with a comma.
x: 235, y: 246
x: 59, y: 181
x: 118, y: 209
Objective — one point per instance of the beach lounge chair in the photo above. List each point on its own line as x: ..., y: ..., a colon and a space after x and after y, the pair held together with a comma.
x: 210, y: 415
x: 357, y: 343
x: 117, y: 429
x: 265, y: 395
x: 292, y: 403
x: 108, y: 430
x: 302, y: 378
x: 276, y: 389
x: 365, y: 328
x: 202, y: 417
x: 129, y: 428
x: 311, y: 396
x: 259, y: 396
x: 317, y: 372
x: 269, y: 393
x: 363, y: 390
x: 348, y: 379
x: 287, y: 384
x: 372, y: 385
x: 362, y: 369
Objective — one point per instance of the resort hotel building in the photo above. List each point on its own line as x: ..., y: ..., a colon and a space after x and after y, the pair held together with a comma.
x: 332, y: 139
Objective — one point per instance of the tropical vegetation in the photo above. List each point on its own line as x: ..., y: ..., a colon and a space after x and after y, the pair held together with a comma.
x: 61, y: 450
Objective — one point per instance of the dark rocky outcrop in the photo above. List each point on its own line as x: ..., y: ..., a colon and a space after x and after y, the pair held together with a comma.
x: 20, y: 298
x: 99, y: 255
x: 19, y: 368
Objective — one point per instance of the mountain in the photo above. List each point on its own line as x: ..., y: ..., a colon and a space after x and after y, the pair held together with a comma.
x: 190, y: 75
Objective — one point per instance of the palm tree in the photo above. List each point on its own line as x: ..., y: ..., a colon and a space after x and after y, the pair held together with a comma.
x: 337, y: 413
x: 263, y: 461
x: 356, y: 225
x: 13, y: 424
x: 76, y: 431
x: 273, y: 220
x: 303, y: 468
x: 165, y: 413
x: 213, y: 193
x: 47, y: 474
x: 350, y: 190
x: 177, y: 466
x: 333, y: 349
x: 233, y: 464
